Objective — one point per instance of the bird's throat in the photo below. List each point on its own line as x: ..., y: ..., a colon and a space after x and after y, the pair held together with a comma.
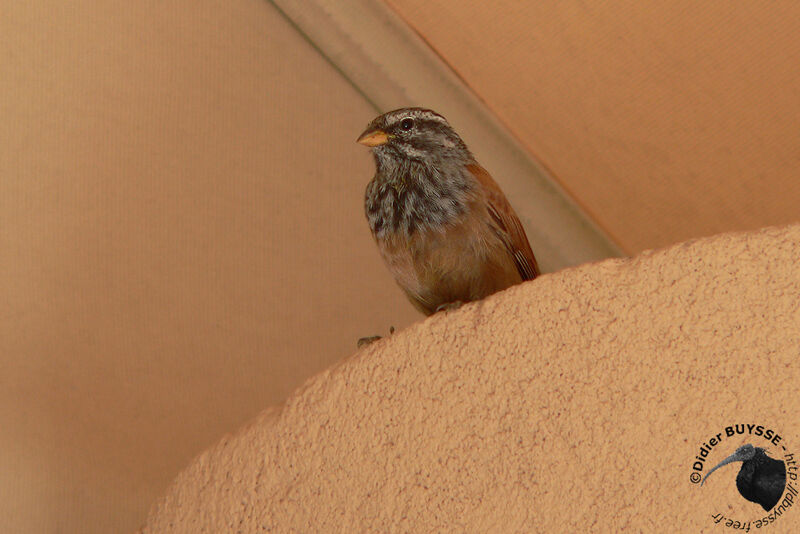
x: 408, y: 197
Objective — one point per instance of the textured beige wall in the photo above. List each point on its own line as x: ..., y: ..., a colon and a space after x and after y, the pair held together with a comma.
x: 572, y: 403
x: 664, y: 120
x: 182, y: 242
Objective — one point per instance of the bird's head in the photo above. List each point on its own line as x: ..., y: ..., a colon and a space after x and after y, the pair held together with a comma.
x: 742, y: 454
x: 415, y: 134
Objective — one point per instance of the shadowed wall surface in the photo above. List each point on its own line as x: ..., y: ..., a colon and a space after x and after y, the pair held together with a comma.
x: 575, y: 402
x: 181, y: 224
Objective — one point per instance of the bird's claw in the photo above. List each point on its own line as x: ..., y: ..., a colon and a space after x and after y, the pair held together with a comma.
x: 449, y: 306
x: 364, y: 341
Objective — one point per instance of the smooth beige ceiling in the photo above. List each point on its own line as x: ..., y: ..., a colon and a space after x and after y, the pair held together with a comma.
x: 664, y: 121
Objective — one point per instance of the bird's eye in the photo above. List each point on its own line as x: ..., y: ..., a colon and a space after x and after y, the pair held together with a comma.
x: 407, y: 124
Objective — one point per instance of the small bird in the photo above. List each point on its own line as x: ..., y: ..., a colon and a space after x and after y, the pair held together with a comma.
x: 443, y: 226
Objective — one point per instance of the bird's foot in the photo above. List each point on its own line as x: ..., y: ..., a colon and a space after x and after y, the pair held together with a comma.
x: 364, y: 341
x: 369, y: 340
x: 449, y: 306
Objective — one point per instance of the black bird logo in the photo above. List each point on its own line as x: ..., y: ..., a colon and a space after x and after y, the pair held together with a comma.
x: 761, y: 479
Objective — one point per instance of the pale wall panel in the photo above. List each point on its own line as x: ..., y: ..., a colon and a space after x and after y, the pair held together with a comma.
x: 182, y: 243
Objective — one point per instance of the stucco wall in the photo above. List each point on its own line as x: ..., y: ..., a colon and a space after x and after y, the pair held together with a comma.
x: 576, y: 402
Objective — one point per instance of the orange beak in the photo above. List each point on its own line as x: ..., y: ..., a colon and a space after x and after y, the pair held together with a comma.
x: 373, y: 138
